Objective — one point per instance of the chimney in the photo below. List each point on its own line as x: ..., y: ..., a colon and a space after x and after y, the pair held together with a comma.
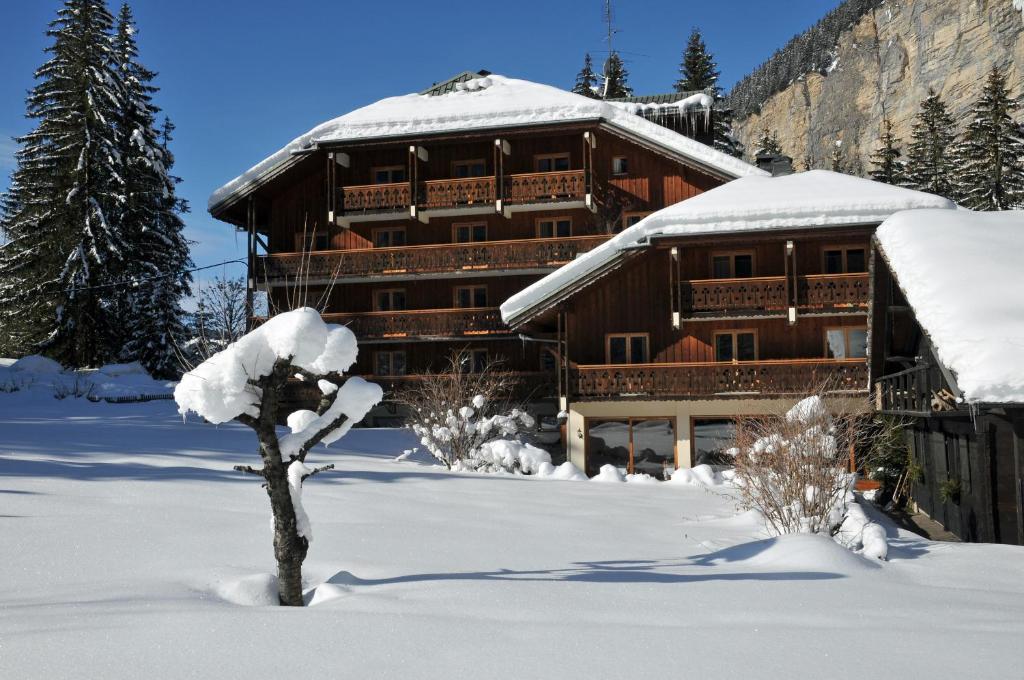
x: 775, y: 163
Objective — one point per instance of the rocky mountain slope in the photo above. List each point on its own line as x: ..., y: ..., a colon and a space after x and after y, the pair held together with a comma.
x: 884, y: 65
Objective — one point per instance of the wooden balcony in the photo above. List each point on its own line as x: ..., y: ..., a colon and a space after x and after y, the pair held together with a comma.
x: 423, y: 323
x: 816, y: 293
x: 536, y: 255
x: 740, y: 379
x: 387, y: 201
x: 525, y: 385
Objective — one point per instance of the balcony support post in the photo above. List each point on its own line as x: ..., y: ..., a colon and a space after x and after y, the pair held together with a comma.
x: 589, y: 143
x: 501, y: 149
x: 674, y: 285
x: 250, y: 276
x: 792, y: 288
x: 416, y: 154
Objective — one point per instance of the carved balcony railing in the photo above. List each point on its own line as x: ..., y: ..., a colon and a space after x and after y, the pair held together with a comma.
x: 744, y: 378
x: 816, y: 292
x: 433, y: 323
x: 375, y: 198
x: 453, y: 193
x: 541, y: 187
x: 433, y: 259
x: 524, y: 385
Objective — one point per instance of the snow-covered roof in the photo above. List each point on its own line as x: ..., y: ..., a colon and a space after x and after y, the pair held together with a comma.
x: 960, y: 271
x: 492, y: 101
x: 818, y: 198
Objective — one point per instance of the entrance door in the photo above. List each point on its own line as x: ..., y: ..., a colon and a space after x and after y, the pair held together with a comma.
x: 632, y: 445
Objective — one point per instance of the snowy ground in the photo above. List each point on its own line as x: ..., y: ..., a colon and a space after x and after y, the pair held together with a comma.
x: 125, y: 536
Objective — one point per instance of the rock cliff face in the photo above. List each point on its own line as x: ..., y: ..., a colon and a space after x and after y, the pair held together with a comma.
x: 886, y: 63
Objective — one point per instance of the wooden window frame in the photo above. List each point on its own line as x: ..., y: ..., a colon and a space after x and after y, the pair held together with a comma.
x: 634, y: 213
x: 629, y: 420
x: 455, y: 231
x: 537, y: 158
x: 554, y: 220
x: 300, y: 246
x: 845, y: 248
x: 390, y: 168
x: 377, y: 291
x: 469, y: 161
x: 391, y: 361
x: 734, y: 332
x: 471, y: 287
x: 620, y: 174
x: 608, y: 347
x: 392, y: 230
x: 470, y: 353
x: 731, y: 254
x: 545, y: 351
x: 846, y: 340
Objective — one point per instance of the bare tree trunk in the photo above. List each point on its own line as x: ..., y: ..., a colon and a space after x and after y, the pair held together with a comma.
x: 289, y: 547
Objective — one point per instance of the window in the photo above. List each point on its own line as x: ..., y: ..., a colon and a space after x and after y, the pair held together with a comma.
x: 626, y: 348
x: 712, y: 437
x: 845, y: 260
x: 737, y: 265
x: 389, y: 300
x: 554, y: 227
x: 632, y: 445
x: 548, y: 361
x: 846, y: 343
x: 469, y: 233
x: 555, y: 162
x: 388, y: 237
x: 620, y: 165
x: 317, y: 240
x: 391, y: 174
x: 631, y: 218
x: 389, y: 363
x: 736, y: 346
x: 473, y: 360
x: 470, y: 296
x: 473, y: 168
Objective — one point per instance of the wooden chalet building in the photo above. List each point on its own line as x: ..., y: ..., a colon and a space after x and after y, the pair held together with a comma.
x: 948, y: 356
x: 730, y: 303
x: 412, y: 219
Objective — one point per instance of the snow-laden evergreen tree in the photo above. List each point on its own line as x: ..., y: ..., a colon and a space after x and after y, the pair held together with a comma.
x: 886, y: 161
x: 586, y: 79
x: 698, y: 70
x: 614, y: 80
x: 991, y: 154
x: 149, y: 218
x: 767, y: 144
x: 930, y: 157
x: 64, y: 249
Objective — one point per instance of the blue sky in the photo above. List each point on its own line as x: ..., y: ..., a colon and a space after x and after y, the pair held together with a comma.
x: 240, y: 78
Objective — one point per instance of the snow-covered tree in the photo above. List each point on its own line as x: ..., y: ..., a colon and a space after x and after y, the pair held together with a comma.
x: 586, y: 79
x: 886, y: 161
x: 65, y: 254
x: 767, y: 144
x: 457, y: 412
x: 698, y: 70
x: 931, y: 161
x: 246, y: 382
x: 614, y: 79
x: 991, y: 153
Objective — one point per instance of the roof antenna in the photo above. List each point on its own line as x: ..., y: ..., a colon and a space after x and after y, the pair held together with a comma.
x: 608, y: 61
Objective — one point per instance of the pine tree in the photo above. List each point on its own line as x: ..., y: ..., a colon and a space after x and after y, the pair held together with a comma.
x: 64, y: 250
x: 930, y: 162
x: 768, y: 144
x: 150, y: 217
x: 991, y: 175
x: 586, y: 79
x: 698, y: 71
x: 615, y: 77
x: 886, y: 163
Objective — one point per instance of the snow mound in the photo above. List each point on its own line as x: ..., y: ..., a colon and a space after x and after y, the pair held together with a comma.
x: 37, y: 364
x: 859, y: 533
x: 701, y: 475
x: 796, y: 552
x: 565, y: 472
x: 977, y: 329
x: 509, y: 454
x: 608, y: 474
x: 257, y: 590
x: 118, y: 370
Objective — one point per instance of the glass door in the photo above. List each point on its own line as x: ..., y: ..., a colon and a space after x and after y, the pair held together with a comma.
x: 632, y: 445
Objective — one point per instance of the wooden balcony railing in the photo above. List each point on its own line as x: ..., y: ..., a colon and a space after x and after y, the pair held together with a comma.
x: 769, y: 294
x: 431, y: 259
x: 540, y: 187
x: 745, y: 378
x: 439, y: 194
x: 446, y: 323
x: 524, y: 385
x: 375, y: 198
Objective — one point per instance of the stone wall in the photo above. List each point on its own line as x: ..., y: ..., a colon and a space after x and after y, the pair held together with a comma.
x: 886, y: 63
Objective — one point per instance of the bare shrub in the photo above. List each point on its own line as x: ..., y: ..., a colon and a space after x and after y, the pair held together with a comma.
x: 794, y: 467
x: 456, y: 412
x: 79, y: 387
